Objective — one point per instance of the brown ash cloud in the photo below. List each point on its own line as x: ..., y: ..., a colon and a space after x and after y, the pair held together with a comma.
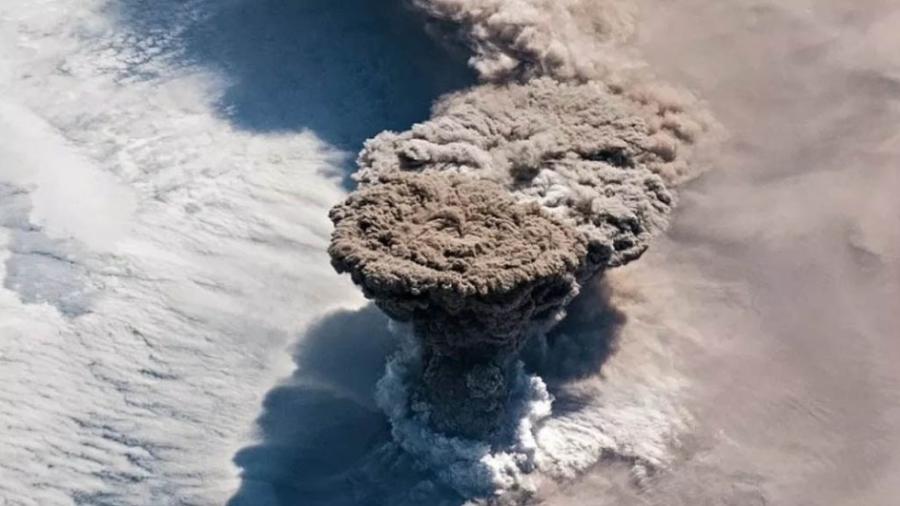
x: 480, y: 224
x: 470, y: 267
x: 567, y: 39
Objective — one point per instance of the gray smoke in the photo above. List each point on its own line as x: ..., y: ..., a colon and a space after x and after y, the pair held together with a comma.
x: 479, y: 225
x: 567, y: 39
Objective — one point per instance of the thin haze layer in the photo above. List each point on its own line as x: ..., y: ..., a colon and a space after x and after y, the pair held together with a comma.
x: 782, y: 269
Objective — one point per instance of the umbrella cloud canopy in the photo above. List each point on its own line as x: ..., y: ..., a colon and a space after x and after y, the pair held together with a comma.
x: 588, y: 155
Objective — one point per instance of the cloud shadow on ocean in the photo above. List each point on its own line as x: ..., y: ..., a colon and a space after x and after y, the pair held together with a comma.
x: 322, y: 440
x: 344, y: 70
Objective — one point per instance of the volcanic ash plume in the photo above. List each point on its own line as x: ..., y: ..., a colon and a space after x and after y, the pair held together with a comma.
x: 479, y: 225
x: 471, y: 268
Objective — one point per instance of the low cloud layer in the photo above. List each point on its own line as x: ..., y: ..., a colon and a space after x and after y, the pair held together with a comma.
x: 163, y: 226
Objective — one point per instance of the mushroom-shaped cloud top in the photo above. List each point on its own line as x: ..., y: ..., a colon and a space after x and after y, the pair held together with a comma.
x: 468, y: 264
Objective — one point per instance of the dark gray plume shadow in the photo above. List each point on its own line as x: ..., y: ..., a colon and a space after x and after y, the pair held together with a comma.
x: 578, y: 347
x: 345, y: 70
x: 322, y: 439
x: 582, y: 342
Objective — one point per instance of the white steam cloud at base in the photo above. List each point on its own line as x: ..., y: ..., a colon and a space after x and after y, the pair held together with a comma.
x: 631, y: 416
